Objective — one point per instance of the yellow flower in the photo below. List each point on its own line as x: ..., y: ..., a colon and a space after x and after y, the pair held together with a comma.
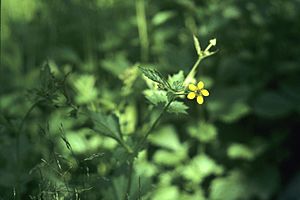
x: 197, y: 91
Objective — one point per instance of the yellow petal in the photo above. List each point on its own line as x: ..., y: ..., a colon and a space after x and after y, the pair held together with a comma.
x: 200, y: 99
x: 200, y: 85
x: 204, y: 92
x: 191, y: 95
x: 192, y: 87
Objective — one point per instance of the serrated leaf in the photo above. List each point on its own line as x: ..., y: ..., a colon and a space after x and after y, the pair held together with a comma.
x: 178, y: 86
x: 176, y: 77
x: 155, y: 96
x: 155, y: 76
x: 197, y: 45
x: 107, y: 125
x: 176, y: 81
x: 177, y: 107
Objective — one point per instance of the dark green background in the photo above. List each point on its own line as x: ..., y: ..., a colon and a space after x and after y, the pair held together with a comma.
x: 241, y: 144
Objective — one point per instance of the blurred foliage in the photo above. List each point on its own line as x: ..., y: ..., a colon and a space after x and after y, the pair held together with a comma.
x: 70, y: 78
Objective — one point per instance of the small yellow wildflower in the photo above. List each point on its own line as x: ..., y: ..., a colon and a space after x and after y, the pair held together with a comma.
x: 197, y: 91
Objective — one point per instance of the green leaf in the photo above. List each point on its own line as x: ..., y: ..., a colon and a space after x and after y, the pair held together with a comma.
x: 169, y: 158
x: 237, y: 111
x: 177, y: 107
x: 107, y: 125
x: 231, y: 12
x: 155, y: 76
x: 197, y: 45
x: 162, y: 17
x: 231, y: 187
x: 240, y: 151
x: 140, y: 185
x: 155, y: 96
x: 198, y: 195
x: 200, y: 167
x: 176, y: 81
x: 204, y: 132
x: 116, y: 64
x: 260, y: 184
x: 128, y: 119
x: 166, y: 137
x: 170, y: 96
x: 143, y: 167
x: 85, y: 88
x: 166, y: 193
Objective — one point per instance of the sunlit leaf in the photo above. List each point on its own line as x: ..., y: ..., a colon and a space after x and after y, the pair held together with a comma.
x: 200, y: 167
x: 240, y: 151
x: 204, y: 132
x: 166, y: 137
x: 178, y: 108
x: 162, y: 17
x: 166, y: 193
x: 85, y: 87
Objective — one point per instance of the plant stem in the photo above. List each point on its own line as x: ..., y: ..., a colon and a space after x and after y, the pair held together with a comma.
x: 130, y: 171
x: 131, y: 161
x: 142, y: 29
x: 192, y: 73
x: 124, y: 145
x: 19, y: 131
x: 153, y: 125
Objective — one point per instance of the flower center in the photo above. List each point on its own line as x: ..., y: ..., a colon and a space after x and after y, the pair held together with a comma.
x: 198, y: 92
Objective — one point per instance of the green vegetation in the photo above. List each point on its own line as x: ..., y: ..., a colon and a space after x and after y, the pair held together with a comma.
x: 162, y: 100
